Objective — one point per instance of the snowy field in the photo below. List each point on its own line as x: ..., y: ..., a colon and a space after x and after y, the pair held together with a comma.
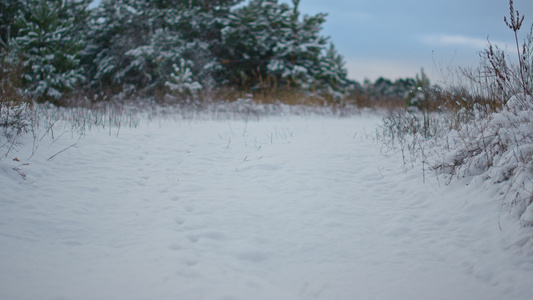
x: 292, y: 207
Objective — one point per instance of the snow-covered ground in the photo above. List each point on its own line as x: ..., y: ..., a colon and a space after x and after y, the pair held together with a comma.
x: 292, y: 207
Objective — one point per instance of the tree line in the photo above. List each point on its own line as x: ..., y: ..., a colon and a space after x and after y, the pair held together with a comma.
x: 174, y: 45
x: 180, y: 47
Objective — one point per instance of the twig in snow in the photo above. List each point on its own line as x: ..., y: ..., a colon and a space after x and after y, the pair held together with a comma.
x: 52, y: 157
x: 21, y: 173
x: 380, y: 173
x: 245, y: 127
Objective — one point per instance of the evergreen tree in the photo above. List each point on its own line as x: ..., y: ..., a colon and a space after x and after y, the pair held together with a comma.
x: 50, y: 47
x: 419, y: 95
x: 181, y: 80
x: 250, y: 39
x: 332, y: 75
x: 264, y: 43
x: 78, y: 11
x: 298, y: 49
x: 115, y: 27
x: 138, y: 42
x: 8, y: 11
x: 186, y: 30
x: 270, y: 44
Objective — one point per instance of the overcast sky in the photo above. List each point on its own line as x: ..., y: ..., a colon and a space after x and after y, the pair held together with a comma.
x: 396, y: 38
x: 393, y: 38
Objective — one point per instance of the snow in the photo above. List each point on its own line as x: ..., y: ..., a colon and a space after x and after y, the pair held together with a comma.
x: 283, y: 207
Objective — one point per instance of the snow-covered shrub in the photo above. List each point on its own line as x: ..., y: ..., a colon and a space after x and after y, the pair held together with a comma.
x: 499, y: 148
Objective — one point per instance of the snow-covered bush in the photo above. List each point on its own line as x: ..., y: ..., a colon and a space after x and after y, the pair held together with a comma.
x: 499, y: 148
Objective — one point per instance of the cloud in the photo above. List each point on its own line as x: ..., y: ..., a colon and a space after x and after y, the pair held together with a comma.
x: 455, y: 40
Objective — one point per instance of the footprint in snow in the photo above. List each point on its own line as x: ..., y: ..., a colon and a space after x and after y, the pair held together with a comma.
x: 210, y: 235
x: 174, y: 247
x: 255, y: 256
x: 179, y: 220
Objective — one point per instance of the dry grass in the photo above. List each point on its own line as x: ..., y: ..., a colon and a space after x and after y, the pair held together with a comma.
x: 16, y: 112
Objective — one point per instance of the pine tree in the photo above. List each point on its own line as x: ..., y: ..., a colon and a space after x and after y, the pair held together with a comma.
x: 8, y: 11
x: 419, y: 94
x: 250, y: 38
x: 181, y: 80
x: 137, y: 42
x: 331, y: 74
x: 50, y: 47
x: 298, y: 49
x: 269, y: 44
x: 114, y: 28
